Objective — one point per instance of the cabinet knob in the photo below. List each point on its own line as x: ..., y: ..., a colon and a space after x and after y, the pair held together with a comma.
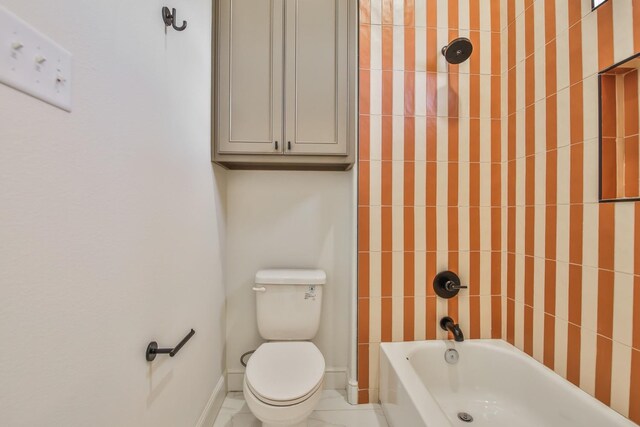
x: 289, y: 145
x: 276, y: 145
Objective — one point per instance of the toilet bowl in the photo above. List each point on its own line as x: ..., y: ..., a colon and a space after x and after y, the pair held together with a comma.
x: 283, y: 382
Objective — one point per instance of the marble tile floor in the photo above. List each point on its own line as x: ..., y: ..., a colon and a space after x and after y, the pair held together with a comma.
x: 333, y: 411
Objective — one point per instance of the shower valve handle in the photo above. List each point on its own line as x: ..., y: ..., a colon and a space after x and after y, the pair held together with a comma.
x: 447, y: 284
x: 453, y: 286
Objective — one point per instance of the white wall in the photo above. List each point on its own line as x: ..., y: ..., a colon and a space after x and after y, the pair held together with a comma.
x: 111, y: 224
x: 289, y: 219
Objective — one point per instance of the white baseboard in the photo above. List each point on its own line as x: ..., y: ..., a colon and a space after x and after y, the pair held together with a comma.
x: 334, y: 379
x: 352, y: 392
x: 211, y: 409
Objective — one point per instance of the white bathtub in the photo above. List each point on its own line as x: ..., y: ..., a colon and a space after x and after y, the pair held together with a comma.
x: 497, y: 384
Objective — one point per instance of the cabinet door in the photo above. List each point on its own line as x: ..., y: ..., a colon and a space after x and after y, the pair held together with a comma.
x: 250, y: 73
x: 316, y: 77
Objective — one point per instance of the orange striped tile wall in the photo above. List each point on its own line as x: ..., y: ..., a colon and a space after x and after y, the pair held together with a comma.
x: 572, y: 276
x: 431, y: 174
x: 490, y: 169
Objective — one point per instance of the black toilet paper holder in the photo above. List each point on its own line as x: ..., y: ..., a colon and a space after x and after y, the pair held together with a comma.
x: 153, y: 350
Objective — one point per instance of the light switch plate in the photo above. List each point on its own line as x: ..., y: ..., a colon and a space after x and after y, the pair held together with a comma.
x: 32, y: 63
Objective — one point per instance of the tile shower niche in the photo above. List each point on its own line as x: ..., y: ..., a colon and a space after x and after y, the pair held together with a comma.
x: 619, y: 119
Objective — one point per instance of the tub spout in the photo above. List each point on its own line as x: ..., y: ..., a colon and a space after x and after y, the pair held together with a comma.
x: 448, y: 324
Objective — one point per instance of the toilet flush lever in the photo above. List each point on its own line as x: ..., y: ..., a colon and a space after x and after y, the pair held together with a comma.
x: 259, y: 289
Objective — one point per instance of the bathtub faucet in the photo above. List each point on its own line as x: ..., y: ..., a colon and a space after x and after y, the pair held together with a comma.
x: 448, y: 324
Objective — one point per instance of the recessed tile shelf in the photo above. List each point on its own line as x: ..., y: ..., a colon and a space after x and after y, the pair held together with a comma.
x: 619, y: 131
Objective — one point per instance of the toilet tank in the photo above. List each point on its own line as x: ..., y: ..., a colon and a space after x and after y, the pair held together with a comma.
x: 289, y: 303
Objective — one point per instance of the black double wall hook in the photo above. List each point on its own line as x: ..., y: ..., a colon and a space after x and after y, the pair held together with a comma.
x: 153, y: 350
x: 169, y: 18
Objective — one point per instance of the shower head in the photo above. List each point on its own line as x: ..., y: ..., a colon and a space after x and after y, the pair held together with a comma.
x: 459, y: 50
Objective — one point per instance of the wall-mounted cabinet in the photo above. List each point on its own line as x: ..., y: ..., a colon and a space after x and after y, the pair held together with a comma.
x: 285, y: 84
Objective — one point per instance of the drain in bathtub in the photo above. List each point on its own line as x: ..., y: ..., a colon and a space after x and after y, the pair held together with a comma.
x: 467, y: 418
x: 451, y: 356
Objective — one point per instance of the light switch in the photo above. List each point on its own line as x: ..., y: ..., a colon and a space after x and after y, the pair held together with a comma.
x: 32, y: 63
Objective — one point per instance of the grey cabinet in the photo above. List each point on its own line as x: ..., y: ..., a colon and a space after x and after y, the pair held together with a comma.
x: 250, y: 71
x: 285, y: 84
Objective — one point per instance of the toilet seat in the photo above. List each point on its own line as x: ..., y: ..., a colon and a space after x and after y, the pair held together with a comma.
x: 284, y: 403
x: 285, y: 373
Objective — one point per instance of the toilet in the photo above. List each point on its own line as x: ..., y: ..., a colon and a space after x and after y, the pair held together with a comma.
x: 284, y: 377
